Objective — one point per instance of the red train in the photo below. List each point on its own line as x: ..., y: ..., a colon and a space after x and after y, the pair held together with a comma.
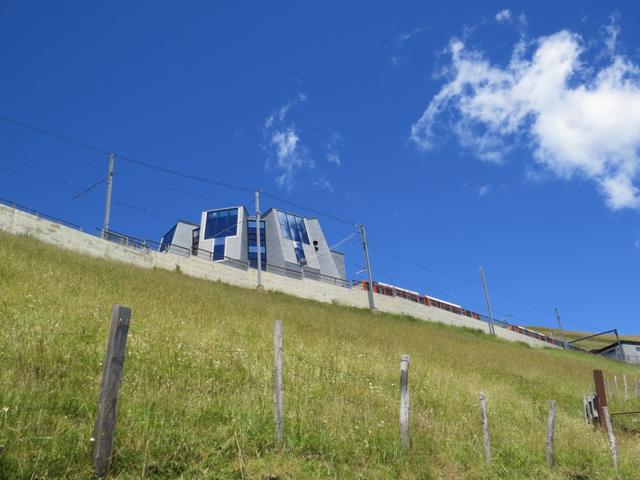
x: 393, y: 291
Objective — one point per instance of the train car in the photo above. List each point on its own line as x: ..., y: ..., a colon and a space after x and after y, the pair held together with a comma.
x: 393, y: 291
x: 444, y: 305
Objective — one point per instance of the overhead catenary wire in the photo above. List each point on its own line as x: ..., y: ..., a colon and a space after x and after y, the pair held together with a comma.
x: 76, y: 190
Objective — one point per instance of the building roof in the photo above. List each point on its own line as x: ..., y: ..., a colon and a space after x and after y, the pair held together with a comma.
x: 188, y: 223
x: 614, y: 345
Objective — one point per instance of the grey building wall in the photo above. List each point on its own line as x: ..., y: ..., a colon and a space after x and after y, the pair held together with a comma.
x: 320, y: 249
x: 274, y: 239
x: 630, y: 352
x: 338, y: 259
x: 182, y: 239
x: 281, y: 252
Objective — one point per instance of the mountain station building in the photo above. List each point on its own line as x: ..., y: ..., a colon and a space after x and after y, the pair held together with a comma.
x: 291, y: 244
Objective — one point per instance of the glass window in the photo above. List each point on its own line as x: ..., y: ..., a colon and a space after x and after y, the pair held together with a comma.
x: 284, y: 224
x: 252, y: 244
x: 221, y: 223
x: 293, y: 227
x: 218, y: 251
x: 297, y: 246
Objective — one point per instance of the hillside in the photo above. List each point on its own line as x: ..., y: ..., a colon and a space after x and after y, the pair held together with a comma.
x: 589, y: 344
x: 196, y: 399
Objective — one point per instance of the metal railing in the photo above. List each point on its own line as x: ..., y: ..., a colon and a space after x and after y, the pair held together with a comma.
x: 146, y: 244
x: 39, y: 214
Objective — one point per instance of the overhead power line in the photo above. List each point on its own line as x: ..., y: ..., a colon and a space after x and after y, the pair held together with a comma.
x: 53, y: 135
x: 423, y: 267
x: 311, y: 210
x: 76, y: 190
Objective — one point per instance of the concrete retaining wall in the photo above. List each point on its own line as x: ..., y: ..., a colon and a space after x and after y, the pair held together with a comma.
x: 21, y: 223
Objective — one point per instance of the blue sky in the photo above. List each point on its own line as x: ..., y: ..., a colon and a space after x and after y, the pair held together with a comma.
x: 461, y: 133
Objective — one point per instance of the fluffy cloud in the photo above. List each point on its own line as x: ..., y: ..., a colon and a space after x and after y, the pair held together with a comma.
x: 290, y: 155
x: 287, y: 155
x: 578, y: 119
x: 503, y: 15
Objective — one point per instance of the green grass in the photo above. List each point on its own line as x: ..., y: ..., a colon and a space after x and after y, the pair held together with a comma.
x: 589, y: 344
x: 196, y: 398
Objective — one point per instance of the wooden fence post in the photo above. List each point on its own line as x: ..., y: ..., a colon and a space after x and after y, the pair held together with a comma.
x: 626, y: 386
x: 612, y: 440
x: 615, y: 385
x: 404, y: 401
x: 637, y: 387
x: 486, y: 441
x: 551, y: 426
x: 277, y: 387
x: 108, y: 400
x: 601, y: 395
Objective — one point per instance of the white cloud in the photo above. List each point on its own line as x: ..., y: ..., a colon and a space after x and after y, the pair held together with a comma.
x: 290, y: 155
x: 577, y: 120
x: 612, y: 30
x: 404, y: 37
x: 483, y: 190
x: 333, y: 154
x: 503, y: 15
x: 287, y: 155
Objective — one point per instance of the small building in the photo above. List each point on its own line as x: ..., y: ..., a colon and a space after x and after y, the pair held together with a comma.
x: 628, y: 351
x: 181, y: 239
x: 290, y: 244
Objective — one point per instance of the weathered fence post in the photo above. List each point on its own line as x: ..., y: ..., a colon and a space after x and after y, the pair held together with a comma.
x: 108, y: 400
x: 615, y: 385
x: 601, y: 395
x: 551, y: 426
x: 587, y: 408
x: 626, y: 386
x: 612, y: 440
x: 277, y: 386
x: 404, y: 401
x: 637, y: 387
x: 486, y: 441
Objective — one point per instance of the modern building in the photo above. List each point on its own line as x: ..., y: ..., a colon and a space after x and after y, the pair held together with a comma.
x: 628, y: 351
x: 291, y: 244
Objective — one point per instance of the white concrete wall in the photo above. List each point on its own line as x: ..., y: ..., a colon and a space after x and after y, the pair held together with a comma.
x: 18, y: 222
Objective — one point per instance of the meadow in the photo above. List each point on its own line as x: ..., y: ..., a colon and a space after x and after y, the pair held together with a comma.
x: 197, y: 392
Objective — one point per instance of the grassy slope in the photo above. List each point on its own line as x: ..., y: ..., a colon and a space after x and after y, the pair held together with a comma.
x: 597, y: 342
x: 196, y: 400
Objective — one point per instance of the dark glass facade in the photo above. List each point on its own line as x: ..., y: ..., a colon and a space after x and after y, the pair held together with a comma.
x: 252, y: 244
x: 167, y: 239
x: 293, y: 227
x: 218, y: 251
x: 297, y: 246
x: 221, y: 223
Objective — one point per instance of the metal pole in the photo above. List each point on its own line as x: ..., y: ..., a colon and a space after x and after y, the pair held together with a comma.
x: 368, y: 265
x: 107, y: 208
x: 258, y: 240
x: 562, y: 335
x: 620, y: 353
x: 492, y: 329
